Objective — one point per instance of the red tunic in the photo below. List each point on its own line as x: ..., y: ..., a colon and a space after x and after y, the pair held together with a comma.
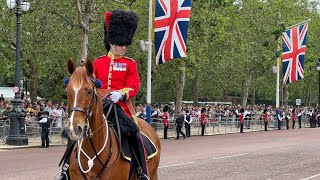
x: 265, y: 117
x: 293, y: 117
x: 120, y: 74
x: 165, y: 119
x: 203, y: 119
x: 241, y: 119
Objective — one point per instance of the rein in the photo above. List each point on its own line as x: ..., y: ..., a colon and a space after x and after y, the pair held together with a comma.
x: 89, y: 134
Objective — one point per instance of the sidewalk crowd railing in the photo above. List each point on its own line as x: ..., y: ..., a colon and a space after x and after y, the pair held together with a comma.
x: 221, y: 125
x: 33, y: 130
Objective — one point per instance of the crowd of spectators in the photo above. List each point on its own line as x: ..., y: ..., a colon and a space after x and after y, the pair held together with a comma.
x: 219, y: 112
x: 56, y: 111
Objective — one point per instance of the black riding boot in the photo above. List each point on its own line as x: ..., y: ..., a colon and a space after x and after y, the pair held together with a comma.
x: 64, y: 173
x: 140, y: 157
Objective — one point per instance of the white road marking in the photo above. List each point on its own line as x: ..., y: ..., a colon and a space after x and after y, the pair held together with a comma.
x: 231, y: 156
x: 311, y: 177
x: 224, y: 157
x: 177, y: 165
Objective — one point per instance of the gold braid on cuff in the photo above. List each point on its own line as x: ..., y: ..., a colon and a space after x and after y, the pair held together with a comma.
x: 125, y: 92
x: 135, y: 118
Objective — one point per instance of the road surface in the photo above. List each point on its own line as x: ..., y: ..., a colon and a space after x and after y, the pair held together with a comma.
x: 272, y: 155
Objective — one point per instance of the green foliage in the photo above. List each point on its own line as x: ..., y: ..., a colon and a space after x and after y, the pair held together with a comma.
x: 228, y: 40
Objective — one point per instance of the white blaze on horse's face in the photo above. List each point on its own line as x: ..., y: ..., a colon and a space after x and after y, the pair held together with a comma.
x: 76, y: 90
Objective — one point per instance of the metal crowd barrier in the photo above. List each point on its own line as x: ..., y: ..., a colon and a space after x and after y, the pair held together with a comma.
x: 33, y: 130
x: 231, y: 124
x: 219, y: 126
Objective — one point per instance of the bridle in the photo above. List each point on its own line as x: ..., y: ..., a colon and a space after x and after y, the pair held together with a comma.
x: 88, y: 112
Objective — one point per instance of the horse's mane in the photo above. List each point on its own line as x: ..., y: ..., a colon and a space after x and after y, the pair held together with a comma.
x: 79, y: 77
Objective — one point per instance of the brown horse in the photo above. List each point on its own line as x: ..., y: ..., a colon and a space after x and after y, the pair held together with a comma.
x: 96, y: 154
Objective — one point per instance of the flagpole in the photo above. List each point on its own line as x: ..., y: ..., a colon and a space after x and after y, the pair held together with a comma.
x: 278, y: 63
x: 278, y: 68
x: 278, y: 77
x: 298, y: 24
x: 148, y: 108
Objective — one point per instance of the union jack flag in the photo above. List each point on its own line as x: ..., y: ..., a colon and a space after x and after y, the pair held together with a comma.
x: 171, y: 29
x: 293, y: 52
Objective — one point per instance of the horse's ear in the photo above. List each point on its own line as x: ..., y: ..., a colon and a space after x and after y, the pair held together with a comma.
x: 70, y: 66
x: 89, y: 67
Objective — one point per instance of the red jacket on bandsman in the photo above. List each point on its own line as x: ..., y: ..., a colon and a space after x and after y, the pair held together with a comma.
x: 203, y: 120
x: 165, y: 119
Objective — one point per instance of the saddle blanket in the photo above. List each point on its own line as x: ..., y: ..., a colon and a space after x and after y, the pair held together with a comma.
x: 149, y: 146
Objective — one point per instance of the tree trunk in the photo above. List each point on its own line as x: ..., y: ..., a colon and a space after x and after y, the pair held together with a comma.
x: 83, y: 51
x: 309, y: 98
x: 253, y: 98
x: 180, y: 88
x: 84, y: 23
x: 305, y: 96
x: 195, y: 89
x: 286, y: 100
x: 225, y: 95
x: 245, y: 89
x: 33, y: 80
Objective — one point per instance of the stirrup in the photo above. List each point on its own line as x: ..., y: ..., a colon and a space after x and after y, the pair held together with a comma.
x: 61, y: 175
x: 143, y: 177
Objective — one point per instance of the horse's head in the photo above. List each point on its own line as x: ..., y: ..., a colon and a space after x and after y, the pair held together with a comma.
x: 82, y: 98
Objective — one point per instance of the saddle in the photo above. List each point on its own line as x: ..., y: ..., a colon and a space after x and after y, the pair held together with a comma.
x: 150, y: 148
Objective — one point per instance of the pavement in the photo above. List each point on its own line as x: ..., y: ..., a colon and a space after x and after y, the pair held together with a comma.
x: 34, y: 142
x: 56, y: 140
x: 273, y: 155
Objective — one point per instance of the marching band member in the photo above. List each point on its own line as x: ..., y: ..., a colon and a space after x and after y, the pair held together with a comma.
x: 203, y: 120
x: 265, y: 119
x: 293, y: 117
x: 241, y: 119
x: 165, y: 121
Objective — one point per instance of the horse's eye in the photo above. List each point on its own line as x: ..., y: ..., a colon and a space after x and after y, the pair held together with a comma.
x: 90, y: 91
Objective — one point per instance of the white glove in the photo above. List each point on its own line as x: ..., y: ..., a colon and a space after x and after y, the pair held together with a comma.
x: 115, y: 96
x: 43, y: 120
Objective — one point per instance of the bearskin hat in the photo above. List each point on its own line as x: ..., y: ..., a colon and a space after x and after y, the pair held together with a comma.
x: 119, y: 28
x: 241, y: 110
x: 165, y: 108
x: 203, y: 110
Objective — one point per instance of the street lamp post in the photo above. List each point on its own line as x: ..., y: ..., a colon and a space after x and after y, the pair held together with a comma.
x: 318, y: 109
x: 17, y: 134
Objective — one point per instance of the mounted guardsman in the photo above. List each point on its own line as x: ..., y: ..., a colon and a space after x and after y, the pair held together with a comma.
x: 119, y: 74
x: 120, y: 80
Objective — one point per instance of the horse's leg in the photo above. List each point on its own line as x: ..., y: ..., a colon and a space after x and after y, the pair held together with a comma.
x: 153, y: 163
x: 155, y: 177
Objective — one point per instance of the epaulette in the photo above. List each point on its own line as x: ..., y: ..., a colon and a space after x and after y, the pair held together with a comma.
x: 129, y: 58
x: 102, y: 56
